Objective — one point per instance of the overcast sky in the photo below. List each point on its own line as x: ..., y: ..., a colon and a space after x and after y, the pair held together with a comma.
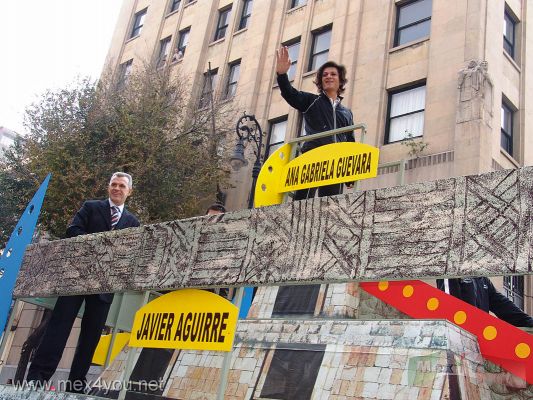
x: 46, y: 44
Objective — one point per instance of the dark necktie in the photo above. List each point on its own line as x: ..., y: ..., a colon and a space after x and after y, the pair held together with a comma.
x: 115, y: 216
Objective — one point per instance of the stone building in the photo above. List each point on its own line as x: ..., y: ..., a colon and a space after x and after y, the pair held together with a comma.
x: 439, y: 84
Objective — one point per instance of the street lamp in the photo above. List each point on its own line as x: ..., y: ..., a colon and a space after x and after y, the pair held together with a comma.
x: 248, y: 130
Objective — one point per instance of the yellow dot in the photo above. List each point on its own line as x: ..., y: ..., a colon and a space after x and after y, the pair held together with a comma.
x: 383, y: 285
x: 522, y: 350
x: 408, y: 291
x: 459, y: 318
x: 490, y: 332
x: 433, y: 304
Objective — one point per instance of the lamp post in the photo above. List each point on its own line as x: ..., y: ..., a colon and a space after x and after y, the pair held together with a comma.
x: 248, y: 130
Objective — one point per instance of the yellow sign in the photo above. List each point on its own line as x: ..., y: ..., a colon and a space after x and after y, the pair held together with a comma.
x: 330, y: 164
x: 325, y: 165
x: 266, y: 189
x: 100, y: 354
x: 186, y: 319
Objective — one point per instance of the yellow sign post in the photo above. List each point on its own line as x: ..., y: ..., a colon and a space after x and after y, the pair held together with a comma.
x: 186, y: 319
x: 326, y: 165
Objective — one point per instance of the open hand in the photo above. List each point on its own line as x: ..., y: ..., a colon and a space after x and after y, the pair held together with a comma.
x: 283, y: 61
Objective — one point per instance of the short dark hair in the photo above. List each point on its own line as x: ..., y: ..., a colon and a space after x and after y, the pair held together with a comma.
x: 341, y: 69
x: 216, y: 207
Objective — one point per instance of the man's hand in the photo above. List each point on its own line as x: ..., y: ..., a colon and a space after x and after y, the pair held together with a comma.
x: 283, y: 61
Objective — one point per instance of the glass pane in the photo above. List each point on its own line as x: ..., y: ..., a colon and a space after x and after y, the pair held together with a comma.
x: 413, y: 12
x: 247, y: 9
x: 408, y: 101
x: 273, y: 147
x: 506, y: 119
x: 184, y: 39
x: 401, y: 126
x: 296, y: 3
x: 508, y: 28
x: 414, y: 32
x: 278, y: 130
x: 234, y: 73
x: 318, y: 60
x: 141, y: 19
x: 321, y: 42
x: 224, y: 18
x: 506, y: 143
x: 294, y: 49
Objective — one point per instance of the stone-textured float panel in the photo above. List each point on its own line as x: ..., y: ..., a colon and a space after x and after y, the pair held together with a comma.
x: 475, y: 225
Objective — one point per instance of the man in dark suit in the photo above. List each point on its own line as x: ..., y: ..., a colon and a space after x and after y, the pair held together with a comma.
x: 94, y: 216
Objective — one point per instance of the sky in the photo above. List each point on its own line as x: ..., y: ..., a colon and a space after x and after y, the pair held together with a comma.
x: 47, y: 44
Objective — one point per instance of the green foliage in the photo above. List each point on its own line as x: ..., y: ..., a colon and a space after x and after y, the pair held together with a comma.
x: 84, y: 133
x: 416, y: 147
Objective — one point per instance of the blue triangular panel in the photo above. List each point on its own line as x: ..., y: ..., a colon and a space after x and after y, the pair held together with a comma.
x: 11, y: 260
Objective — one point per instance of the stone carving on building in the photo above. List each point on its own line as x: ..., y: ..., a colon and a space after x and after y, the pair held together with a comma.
x: 475, y: 93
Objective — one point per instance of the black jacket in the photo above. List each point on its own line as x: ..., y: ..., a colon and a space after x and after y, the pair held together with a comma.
x: 318, y: 114
x: 95, y: 216
x: 481, y: 293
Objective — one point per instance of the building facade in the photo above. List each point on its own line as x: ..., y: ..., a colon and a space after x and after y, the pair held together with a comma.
x: 441, y: 85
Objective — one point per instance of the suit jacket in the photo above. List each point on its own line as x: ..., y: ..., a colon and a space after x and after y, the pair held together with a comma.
x: 95, y: 216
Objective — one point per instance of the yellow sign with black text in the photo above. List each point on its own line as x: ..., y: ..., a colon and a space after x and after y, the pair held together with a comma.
x: 328, y: 165
x: 186, y: 319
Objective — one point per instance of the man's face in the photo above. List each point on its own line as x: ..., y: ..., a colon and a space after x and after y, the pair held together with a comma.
x: 330, y: 80
x: 118, y: 190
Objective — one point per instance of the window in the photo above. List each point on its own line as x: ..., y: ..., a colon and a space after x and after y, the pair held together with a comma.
x: 208, y: 89
x: 246, y: 13
x: 174, y: 5
x: 507, y: 115
x: 413, y: 21
x: 125, y: 70
x: 294, y: 49
x: 319, y: 49
x: 138, y: 22
x: 233, y: 77
x: 181, y: 46
x: 297, y: 3
x: 293, y: 372
x: 514, y: 289
x: 509, y: 29
x: 276, y: 135
x: 223, y: 23
x: 164, y: 49
x: 406, y: 114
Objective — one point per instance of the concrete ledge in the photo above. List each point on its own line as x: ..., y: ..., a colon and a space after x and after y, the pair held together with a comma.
x: 468, y: 226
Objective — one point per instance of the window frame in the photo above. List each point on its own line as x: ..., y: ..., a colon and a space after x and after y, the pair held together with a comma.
x: 174, y: 6
x: 224, y: 28
x: 397, y: 28
x: 125, y: 71
x: 509, y: 136
x: 390, y: 94
x: 288, y: 44
x: 164, y: 51
x: 179, y: 44
x: 138, y: 23
x: 229, y: 83
x: 508, y: 17
x: 513, y: 286
x: 203, y: 103
x: 297, y: 3
x: 271, y: 123
x: 243, y: 21
x: 312, y: 54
